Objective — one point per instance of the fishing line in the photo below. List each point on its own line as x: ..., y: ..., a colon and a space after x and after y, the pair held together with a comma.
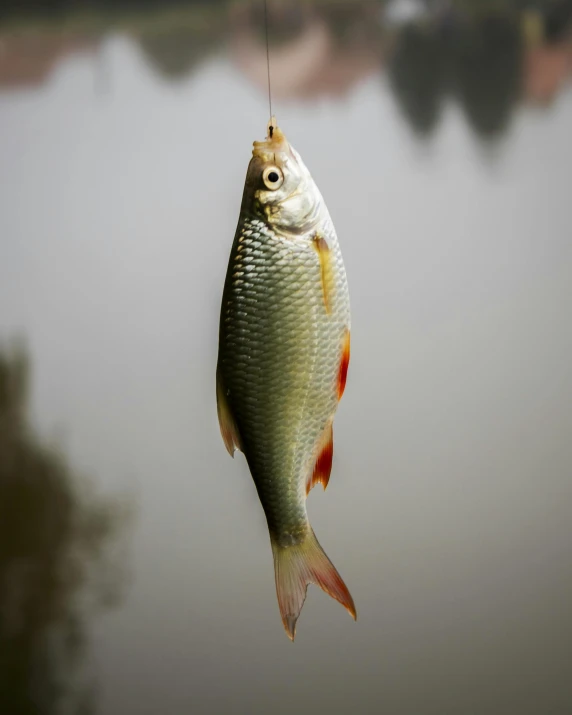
x: 271, y: 128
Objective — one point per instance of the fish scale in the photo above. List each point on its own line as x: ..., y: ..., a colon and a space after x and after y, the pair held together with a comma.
x: 281, y: 390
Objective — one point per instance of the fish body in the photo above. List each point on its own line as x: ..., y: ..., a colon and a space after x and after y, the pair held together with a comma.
x: 283, y: 357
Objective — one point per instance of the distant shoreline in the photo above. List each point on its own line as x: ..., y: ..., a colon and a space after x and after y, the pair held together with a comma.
x: 160, y: 16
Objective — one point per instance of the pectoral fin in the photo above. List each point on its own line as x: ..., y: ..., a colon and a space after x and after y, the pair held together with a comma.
x: 326, y: 270
x: 226, y: 421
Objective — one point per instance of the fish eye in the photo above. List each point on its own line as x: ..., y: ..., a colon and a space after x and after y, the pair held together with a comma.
x: 272, y: 177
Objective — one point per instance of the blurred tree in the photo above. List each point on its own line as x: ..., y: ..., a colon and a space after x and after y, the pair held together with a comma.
x: 417, y: 74
x: 487, y: 68
x: 52, y: 539
x: 176, y: 52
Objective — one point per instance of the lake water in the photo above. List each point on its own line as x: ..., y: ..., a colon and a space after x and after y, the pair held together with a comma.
x: 449, y: 510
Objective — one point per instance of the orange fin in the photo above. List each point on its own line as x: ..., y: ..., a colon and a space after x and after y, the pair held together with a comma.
x: 323, y: 465
x: 344, y: 364
x: 226, y: 421
x: 297, y: 566
x: 326, y: 270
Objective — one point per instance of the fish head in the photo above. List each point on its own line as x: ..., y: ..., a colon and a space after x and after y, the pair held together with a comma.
x: 279, y: 188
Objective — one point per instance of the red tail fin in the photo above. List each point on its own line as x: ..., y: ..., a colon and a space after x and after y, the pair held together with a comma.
x: 297, y: 566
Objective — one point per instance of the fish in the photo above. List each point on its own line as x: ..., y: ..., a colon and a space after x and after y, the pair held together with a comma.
x: 283, y: 357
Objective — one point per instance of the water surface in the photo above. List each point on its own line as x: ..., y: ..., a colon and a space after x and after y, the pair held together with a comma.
x: 450, y: 504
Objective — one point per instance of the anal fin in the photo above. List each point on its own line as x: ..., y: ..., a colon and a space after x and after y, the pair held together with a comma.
x: 323, y: 464
x: 226, y: 421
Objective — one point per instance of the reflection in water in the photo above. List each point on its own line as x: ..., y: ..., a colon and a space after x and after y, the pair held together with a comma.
x: 28, y: 61
x: 479, y: 63
x: 316, y: 51
x: 548, y: 61
x: 175, y: 54
x: 54, y: 537
x: 489, y: 62
x: 417, y: 72
x: 452, y: 505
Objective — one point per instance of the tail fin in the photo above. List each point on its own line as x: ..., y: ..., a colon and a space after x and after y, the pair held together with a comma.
x: 297, y: 566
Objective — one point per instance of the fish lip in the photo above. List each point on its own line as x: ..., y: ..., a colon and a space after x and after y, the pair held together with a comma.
x: 270, y: 147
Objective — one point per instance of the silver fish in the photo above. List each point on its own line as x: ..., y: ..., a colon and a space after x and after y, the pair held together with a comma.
x: 284, y: 348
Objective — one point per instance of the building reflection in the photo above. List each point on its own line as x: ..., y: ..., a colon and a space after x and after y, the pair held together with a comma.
x: 316, y: 51
x: 55, y: 564
x: 28, y: 60
x: 548, y: 57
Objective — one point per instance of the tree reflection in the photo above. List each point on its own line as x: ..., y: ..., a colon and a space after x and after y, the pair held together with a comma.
x: 487, y: 61
x: 54, y: 537
x: 176, y: 52
x: 417, y: 74
x: 478, y: 60
x: 470, y: 51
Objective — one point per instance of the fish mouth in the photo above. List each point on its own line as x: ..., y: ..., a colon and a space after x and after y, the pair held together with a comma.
x: 274, y: 143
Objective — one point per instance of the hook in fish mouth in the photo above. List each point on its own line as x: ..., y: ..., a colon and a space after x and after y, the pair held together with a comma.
x: 272, y: 125
x: 275, y: 141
